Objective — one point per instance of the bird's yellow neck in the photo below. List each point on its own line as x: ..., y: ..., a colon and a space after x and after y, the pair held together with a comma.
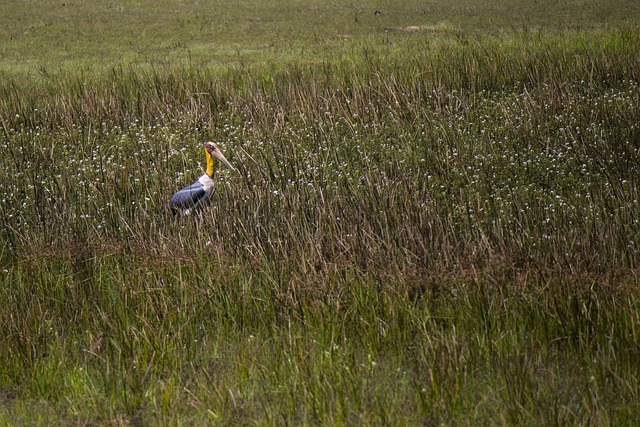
x: 211, y: 165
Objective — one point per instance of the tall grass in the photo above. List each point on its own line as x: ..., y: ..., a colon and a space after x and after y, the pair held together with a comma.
x: 443, y: 233
x: 535, y: 159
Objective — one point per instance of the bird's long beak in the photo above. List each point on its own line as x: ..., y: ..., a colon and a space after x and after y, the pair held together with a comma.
x: 218, y: 155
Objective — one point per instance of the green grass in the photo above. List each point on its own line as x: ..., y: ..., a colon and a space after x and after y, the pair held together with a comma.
x: 41, y: 38
x: 433, y: 227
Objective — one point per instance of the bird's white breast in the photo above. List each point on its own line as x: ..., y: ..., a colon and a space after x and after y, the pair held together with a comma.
x: 207, y: 183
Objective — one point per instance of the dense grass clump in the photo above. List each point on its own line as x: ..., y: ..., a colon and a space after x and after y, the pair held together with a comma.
x: 444, y: 232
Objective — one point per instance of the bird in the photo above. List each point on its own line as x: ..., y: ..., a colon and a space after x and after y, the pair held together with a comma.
x: 196, y: 195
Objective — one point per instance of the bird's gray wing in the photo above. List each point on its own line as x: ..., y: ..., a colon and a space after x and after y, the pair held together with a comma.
x: 188, y: 196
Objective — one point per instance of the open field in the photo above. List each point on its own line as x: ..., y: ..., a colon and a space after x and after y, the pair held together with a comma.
x: 44, y: 38
x: 434, y: 218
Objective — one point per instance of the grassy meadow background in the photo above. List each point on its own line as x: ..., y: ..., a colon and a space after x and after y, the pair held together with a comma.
x: 434, y: 218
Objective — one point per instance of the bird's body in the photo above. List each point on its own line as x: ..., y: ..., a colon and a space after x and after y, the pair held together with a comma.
x: 196, y: 195
x: 191, y: 197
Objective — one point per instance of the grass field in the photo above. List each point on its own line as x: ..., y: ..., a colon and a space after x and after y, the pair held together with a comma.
x: 434, y: 218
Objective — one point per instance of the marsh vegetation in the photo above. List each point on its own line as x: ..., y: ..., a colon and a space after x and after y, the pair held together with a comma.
x: 435, y: 227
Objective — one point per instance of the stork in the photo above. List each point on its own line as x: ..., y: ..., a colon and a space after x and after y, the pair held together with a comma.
x: 197, y: 194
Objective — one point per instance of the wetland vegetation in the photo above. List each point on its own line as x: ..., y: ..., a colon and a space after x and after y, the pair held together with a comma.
x: 434, y: 218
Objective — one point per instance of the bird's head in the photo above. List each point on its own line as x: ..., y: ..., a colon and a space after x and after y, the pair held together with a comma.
x: 212, y: 150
